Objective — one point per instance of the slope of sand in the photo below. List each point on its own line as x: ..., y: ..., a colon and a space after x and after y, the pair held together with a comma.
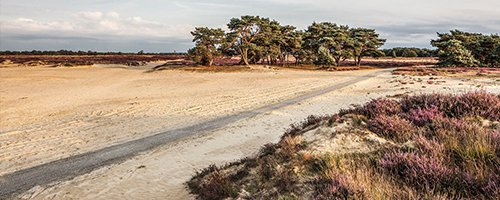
x: 161, y: 173
x: 52, y: 113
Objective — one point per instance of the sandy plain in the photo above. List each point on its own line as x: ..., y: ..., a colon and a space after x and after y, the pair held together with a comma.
x: 52, y: 113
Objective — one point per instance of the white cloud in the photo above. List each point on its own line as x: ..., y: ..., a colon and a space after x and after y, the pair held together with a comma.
x: 98, y: 24
x: 139, y: 20
x: 92, y: 15
x: 30, y: 25
x: 113, y: 15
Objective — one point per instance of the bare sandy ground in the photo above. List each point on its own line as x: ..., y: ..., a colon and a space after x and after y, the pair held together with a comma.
x: 52, y: 113
x: 48, y: 114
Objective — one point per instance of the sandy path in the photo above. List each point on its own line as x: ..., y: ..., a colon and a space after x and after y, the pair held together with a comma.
x: 85, y: 163
x: 160, y: 174
x: 49, y: 114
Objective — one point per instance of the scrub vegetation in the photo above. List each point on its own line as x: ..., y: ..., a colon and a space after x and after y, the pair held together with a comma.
x: 432, y: 146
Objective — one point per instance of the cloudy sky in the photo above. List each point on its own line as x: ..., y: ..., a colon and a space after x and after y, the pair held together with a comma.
x: 164, y: 25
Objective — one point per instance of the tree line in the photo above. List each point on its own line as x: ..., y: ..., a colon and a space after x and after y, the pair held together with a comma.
x: 463, y: 49
x: 261, y: 40
x: 409, y: 52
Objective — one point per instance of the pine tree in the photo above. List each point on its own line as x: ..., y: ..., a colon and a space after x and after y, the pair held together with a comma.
x: 453, y: 54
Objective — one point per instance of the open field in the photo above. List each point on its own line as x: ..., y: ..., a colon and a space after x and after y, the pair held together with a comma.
x: 77, y: 60
x: 139, y: 60
x: 451, y: 72
x: 53, y: 113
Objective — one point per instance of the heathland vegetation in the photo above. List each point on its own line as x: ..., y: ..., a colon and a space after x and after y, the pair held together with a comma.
x: 261, y: 40
x: 430, y: 146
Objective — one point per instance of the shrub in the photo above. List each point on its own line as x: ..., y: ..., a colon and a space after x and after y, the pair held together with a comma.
x: 338, y: 186
x: 469, y: 104
x: 215, y: 186
x: 477, y: 103
x: 450, y: 152
x: 379, y: 107
x: 420, y: 171
x: 440, y: 102
x: 392, y: 127
x: 423, y: 117
x: 286, y: 180
x: 429, y: 147
x: 298, y: 128
x: 288, y: 146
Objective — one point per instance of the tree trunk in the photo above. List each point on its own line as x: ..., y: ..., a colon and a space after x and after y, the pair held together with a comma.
x: 286, y: 60
x: 337, y: 60
x: 358, y: 62
x: 244, y: 56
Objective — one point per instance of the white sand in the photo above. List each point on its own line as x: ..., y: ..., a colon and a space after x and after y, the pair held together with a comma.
x: 51, y: 113
x: 70, y: 111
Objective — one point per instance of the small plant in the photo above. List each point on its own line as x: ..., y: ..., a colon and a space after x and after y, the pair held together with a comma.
x: 392, y: 127
x: 421, y: 171
x: 339, y: 186
x: 310, y: 122
x: 423, y: 117
x: 379, y: 107
x: 215, y: 186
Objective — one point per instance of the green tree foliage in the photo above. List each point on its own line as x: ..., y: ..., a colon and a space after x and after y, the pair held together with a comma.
x: 365, y: 42
x: 207, y: 43
x: 246, y: 30
x: 261, y: 40
x: 454, y: 54
x: 410, y: 52
x: 481, y: 47
x: 330, y: 42
x: 495, y: 56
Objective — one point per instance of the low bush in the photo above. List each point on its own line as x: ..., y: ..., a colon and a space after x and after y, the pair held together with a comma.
x: 439, y: 147
x: 421, y: 171
x: 423, y: 117
x: 392, y: 127
x: 377, y: 107
x: 338, y: 186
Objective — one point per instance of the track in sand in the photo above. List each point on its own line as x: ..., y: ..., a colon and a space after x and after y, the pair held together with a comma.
x: 64, y: 169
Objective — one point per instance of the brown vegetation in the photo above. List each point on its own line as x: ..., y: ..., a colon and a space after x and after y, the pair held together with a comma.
x: 74, y: 60
x: 426, y: 71
x: 420, y: 147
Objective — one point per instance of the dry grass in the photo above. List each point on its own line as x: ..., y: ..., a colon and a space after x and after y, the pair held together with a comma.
x: 440, y: 147
x: 454, y: 72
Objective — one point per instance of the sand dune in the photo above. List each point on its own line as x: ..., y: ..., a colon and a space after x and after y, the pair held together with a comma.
x: 49, y: 114
x: 161, y: 174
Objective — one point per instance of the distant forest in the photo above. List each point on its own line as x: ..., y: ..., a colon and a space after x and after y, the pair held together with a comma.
x: 409, y: 52
x: 392, y: 52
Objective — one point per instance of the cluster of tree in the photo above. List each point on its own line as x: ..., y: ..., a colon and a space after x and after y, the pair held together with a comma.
x: 409, y: 52
x: 261, y: 40
x: 69, y: 52
x: 463, y: 49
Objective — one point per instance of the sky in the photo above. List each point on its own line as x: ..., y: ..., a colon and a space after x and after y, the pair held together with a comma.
x: 165, y: 25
